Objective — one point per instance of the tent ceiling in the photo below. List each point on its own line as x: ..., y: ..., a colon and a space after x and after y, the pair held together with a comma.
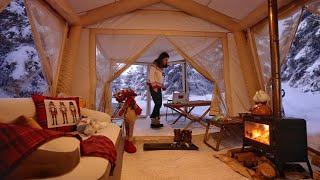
x: 165, y: 20
x: 80, y: 6
x: 160, y: 45
x: 161, y: 6
x: 237, y: 9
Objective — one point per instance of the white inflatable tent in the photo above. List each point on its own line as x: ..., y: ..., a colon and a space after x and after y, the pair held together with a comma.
x: 226, y: 41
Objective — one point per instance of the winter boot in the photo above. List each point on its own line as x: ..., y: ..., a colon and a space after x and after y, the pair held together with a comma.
x: 155, y: 123
x: 158, y: 122
x: 186, y: 137
x: 177, y: 137
x: 129, y: 147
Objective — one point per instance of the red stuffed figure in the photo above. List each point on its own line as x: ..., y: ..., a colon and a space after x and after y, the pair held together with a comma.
x: 130, y: 110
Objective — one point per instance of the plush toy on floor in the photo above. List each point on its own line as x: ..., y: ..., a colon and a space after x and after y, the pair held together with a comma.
x: 130, y: 110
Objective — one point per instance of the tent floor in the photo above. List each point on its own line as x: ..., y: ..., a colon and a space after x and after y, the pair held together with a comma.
x: 142, y: 127
x: 167, y: 165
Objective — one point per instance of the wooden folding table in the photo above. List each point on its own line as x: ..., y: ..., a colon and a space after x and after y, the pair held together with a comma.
x: 182, y: 107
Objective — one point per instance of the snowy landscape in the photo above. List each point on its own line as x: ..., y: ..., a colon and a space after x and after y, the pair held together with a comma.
x: 21, y: 73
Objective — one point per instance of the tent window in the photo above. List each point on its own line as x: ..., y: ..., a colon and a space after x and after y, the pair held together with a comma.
x: 199, y: 88
x: 301, y: 77
x: 135, y: 77
x: 20, y: 68
x: 49, y: 30
x: 287, y: 25
x: 174, y: 81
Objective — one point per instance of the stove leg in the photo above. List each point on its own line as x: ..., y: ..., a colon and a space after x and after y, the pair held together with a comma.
x: 280, y: 167
x: 309, y: 167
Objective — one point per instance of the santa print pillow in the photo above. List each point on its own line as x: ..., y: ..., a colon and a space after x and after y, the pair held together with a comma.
x: 57, y: 113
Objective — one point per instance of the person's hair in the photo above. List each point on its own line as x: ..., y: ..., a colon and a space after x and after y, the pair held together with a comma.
x: 159, y: 60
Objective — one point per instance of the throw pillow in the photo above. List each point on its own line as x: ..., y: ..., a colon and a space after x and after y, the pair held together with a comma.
x: 26, y: 121
x: 61, y: 114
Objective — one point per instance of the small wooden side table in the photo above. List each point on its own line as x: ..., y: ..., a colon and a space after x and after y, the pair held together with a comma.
x: 230, y: 125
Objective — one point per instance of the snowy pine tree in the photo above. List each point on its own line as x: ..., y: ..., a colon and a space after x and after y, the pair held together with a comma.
x: 20, y: 69
x: 302, y: 68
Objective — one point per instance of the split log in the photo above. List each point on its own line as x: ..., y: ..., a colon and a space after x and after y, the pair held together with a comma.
x: 232, y: 152
x: 266, y: 170
x: 316, y: 175
x: 244, y: 156
x: 316, y: 161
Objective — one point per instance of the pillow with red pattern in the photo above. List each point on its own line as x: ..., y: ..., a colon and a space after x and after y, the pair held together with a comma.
x: 56, y: 113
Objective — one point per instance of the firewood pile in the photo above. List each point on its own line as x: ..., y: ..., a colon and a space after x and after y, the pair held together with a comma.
x: 316, y: 161
x: 255, y: 166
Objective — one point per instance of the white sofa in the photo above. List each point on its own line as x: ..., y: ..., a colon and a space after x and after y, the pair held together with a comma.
x: 60, y: 157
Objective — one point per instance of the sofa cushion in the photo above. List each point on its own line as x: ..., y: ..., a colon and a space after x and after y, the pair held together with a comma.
x: 54, y: 158
x: 11, y: 108
x: 88, y: 168
x: 27, y: 121
x: 100, y: 116
x: 42, y: 104
x: 111, y: 131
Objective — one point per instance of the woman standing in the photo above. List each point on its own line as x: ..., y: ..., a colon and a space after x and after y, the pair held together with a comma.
x: 155, y: 83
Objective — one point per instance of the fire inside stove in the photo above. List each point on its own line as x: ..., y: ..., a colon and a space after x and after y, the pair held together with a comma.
x: 257, y: 132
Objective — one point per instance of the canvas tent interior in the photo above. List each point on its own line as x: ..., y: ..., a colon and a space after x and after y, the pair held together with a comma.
x: 223, y: 40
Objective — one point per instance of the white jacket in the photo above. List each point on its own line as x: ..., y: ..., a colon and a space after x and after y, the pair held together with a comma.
x: 155, y: 77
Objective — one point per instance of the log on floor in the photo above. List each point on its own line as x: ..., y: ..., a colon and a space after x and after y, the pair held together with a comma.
x: 316, y: 161
x: 266, y: 170
x: 244, y: 156
x: 316, y: 175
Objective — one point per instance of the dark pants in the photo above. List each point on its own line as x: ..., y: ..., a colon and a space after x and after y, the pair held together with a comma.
x: 157, y: 99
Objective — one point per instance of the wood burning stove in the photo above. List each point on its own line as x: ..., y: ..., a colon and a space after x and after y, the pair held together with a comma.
x: 281, y: 140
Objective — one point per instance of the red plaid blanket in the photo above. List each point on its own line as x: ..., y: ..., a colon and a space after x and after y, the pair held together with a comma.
x: 97, y: 145
x: 17, y: 142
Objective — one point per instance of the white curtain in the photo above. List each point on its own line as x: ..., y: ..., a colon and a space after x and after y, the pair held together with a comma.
x: 206, y: 55
x: 48, y: 30
x: 287, y: 27
x: 115, y: 53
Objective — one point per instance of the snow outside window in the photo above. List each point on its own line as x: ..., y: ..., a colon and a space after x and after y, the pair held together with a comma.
x: 135, y: 77
x: 20, y: 68
x: 199, y: 88
x: 301, y: 77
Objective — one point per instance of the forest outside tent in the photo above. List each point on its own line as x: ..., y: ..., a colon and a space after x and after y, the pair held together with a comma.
x: 238, y: 98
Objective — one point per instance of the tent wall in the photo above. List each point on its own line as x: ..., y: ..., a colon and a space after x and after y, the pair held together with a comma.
x: 247, y: 63
x: 80, y: 79
x: 193, y: 46
x: 68, y: 61
x: 239, y: 94
x: 49, y: 32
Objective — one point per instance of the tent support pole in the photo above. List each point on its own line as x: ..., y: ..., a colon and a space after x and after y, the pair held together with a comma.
x: 68, y: 60
x: 275, y: 57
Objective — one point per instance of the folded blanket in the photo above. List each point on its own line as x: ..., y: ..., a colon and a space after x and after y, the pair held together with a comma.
x: 17, y: 142
x: 99, y: 146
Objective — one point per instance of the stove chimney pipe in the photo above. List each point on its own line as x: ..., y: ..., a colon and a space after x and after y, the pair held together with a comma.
x: 275, y: 57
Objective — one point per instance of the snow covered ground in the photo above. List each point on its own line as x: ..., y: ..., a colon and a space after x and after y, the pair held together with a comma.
x: 302, y: 105
x: 307, y: 106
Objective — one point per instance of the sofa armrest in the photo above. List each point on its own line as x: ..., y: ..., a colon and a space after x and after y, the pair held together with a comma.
x: 100, y: 116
